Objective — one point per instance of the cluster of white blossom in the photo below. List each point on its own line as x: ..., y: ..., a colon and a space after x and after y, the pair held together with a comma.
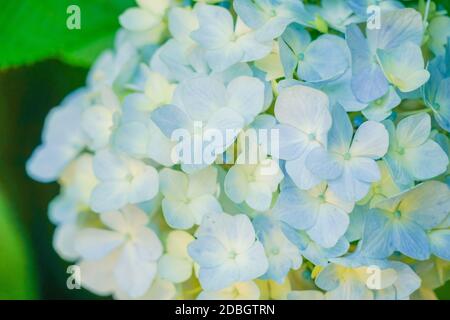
x: 350, y: 200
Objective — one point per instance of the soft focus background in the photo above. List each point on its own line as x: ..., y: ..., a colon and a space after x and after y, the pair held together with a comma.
x: 41, y: 61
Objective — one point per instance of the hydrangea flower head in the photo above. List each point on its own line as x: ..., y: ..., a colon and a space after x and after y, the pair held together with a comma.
x: 227, y: 251
x: 226, y: 42
x: 373, y: 65
x: 412, y: 154
x: 400, y: 223
x: 319, y: 212
x: 348, y: 164
x: 258, y: 149
x: 122, y: 181
x: 304, y: 123
x: 129, y: 247
x: 187, y: 198
x: 253, y: 183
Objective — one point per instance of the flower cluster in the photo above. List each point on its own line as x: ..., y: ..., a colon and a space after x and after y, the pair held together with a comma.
x: 350, y: 198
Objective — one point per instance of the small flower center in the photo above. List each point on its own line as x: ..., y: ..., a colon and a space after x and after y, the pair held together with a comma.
x: 232, y: 255
x: 128, y: 236
x: 378, y: 102
x: 322, y: 197
x: 235, y: 292
x: 377, y: 189
x: 436, y: 106
x: 275, y: 251
x: 347, y: 156
x: 401, y: 151
x: 301, y: 56
x: 307, y: 274
x: 251, y: 176
x: 397, y: 214
x: 312, y: 136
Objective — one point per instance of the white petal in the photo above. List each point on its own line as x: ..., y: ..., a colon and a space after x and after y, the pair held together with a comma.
x: 323, y: 164
x: 202, y: 97
x: 365, y: 169
x: 48, y: 161
x: 170, y: 118
x: 246, y: 96
x: 218, y: 277
x: 239, y: 233
x: 109, y: 165
x: 331, y: 224
x: 109, y: 196
x: 182, y: 22
x: 177, y: 214
x: 253, y: 263
x: 440, y: 243
x: 115, y: 220
x: 132, y: 138
x: 371, y: 140
x: 238, y: 291
x: 203, y: 205
x: 398, y: 26
x: 94, y: 244
x: 404, y: 66
x: 157, y: 7
x: 348, y: 187
x: 207, y: 251
x: 222, y: 129
x: 427, y: 204
x: 97, y: 275
x: 64, y: 240
x: 426, y: 161
x: 292, y: 141
x: 236, y: 184
x: 259, y: 196
x: 134, y: 275
x: 216, y: 26
x: 177, y: 243
x: 304, y: 108
x: 135, y: 217
x: 297, y: 208
x: 306, y: 295
x: 174, y: 269
x: 202, y: 182
x: 147, y: 244
x: 136, y: 19
x: 159, y: 146
x: 252, y: 47
x: 300, y: 174
x: 411, y: 240
x: 414, y: 130
x: 173, y: 184
x: 144, y: 186
x: 97, y: 123
x: 341, y: 132
x: 224, y: 58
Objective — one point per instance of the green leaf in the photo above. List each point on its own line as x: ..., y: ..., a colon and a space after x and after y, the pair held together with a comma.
x: 32, y: 30
x: 17, y: 275
x: 444, y: 3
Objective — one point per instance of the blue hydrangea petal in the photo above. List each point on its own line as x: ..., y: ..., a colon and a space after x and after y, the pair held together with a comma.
x: 440, y: 243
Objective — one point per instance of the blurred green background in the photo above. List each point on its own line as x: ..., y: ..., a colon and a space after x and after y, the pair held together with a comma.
x: 41, y: 61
